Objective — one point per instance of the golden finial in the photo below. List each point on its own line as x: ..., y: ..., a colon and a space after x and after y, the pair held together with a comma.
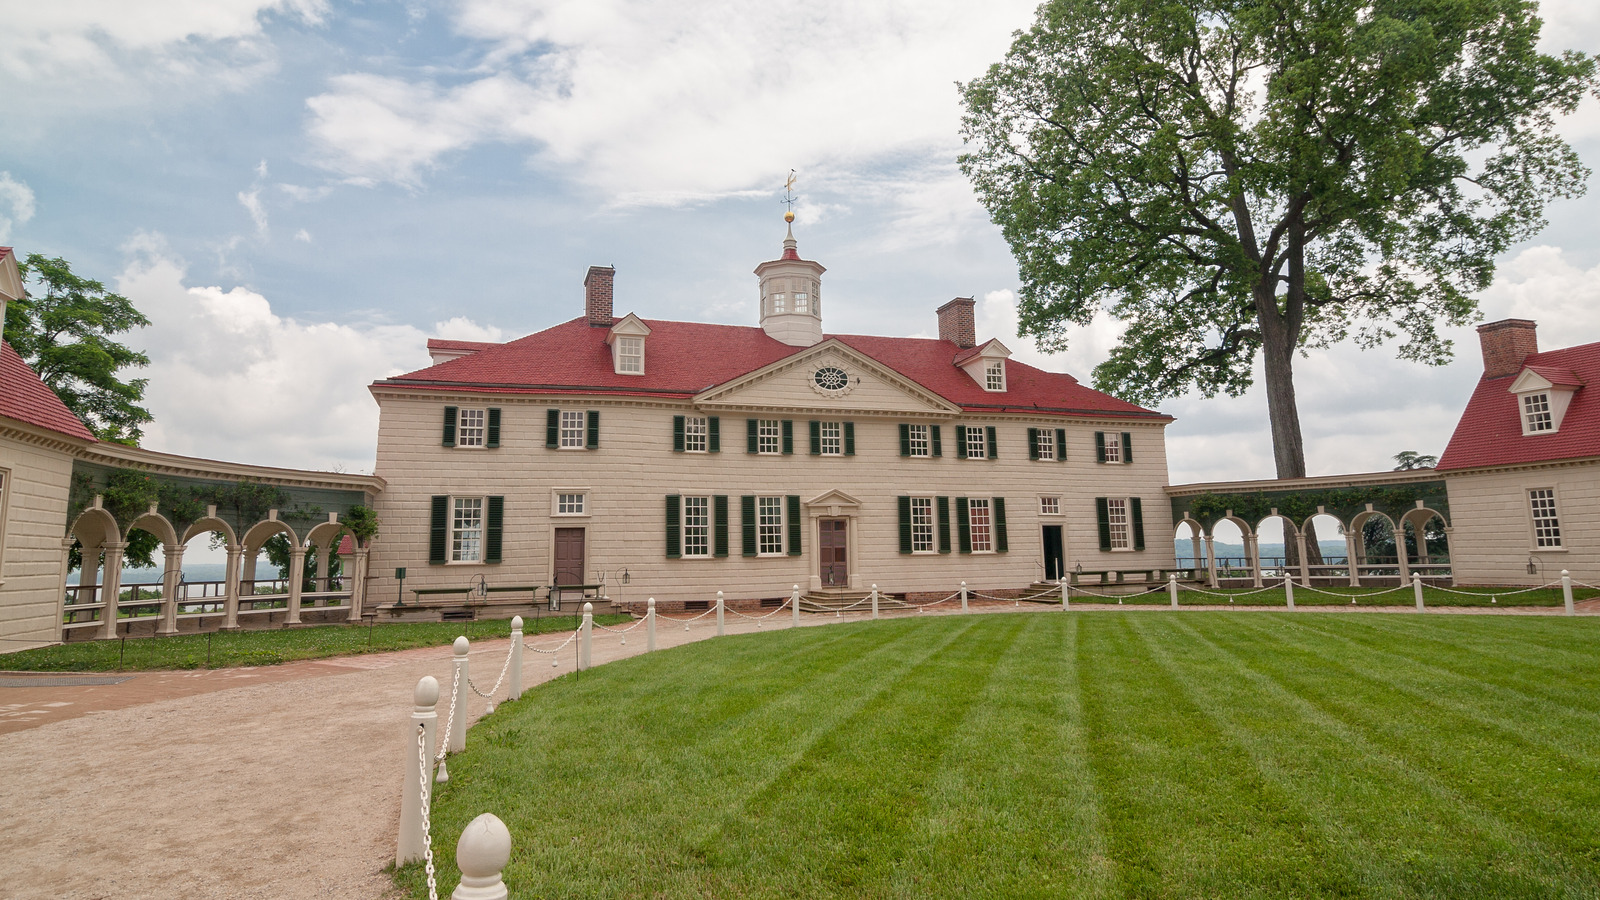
x: 789, y: 216
x: 788, y: 197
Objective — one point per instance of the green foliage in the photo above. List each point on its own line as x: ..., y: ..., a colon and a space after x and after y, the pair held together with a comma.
x: 1407, y: 460
x: 64, y: 329
x: 1301, y: 505
x: 278, y: 551
x: 1267, y: 175
x: 362, y: 522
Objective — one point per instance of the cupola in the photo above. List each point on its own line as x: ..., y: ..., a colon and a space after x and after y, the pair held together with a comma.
x: 791, y: 295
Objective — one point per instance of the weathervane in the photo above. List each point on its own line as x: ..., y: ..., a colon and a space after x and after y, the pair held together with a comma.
x: 788, y: 197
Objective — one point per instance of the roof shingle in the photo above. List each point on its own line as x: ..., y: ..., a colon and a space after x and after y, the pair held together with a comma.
x: 1490, y: 430
x: 25, y: 398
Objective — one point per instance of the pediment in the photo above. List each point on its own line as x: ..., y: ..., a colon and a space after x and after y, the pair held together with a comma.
x: 1530, y: 380
x: 792, y: 383
x: 10, y: 278
x: 834, y: 499
x: 629, y: 325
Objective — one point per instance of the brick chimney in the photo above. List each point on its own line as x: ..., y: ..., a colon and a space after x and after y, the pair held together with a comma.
x: 597, y: 295
x: 1506, y: 344
x: 956, y: 323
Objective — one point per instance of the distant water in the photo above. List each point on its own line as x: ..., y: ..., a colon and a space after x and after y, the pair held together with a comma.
x: 1185, y: 549
x: 195, y: 572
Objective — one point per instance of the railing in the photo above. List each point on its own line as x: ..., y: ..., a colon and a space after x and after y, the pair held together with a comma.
x: 79, y: 612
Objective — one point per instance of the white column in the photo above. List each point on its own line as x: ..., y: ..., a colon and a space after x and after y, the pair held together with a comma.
x: 1350, y: 551
x: 1400, y: 550
x: 1416, y: 588
x: 358, y: 582
x: 1566, y: 592
x: 1064, y: 590
x: 874, y: 601
x: 585, y: 636
x: 1211, y: 561
x: 963, y: 596
x: 169, y: 589
x: 61, y: 587
x: 419, y: 770
x: 1288, y: 591
x: 794, y: 606
x: 458, y: 708
x: 324, y: 551
x: 110, y: 587
x: 720, y: 631
x: 650, y: 624
x: 1172, y: 589
x: 1305, y: 561
x: 516, y: 657
x: 230, y: 605
x: 297, y: 567
x: 1252, y: 548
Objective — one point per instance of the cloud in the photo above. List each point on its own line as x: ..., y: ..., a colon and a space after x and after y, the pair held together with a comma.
x: 251, y: 201
x: 303, y: 236
x: 231, y: 379
x: 16, y: 204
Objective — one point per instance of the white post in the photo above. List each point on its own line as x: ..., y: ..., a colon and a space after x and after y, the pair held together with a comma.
x: 111, y: 588
x: 297, y: 567
x: 1172, y: 588
x: 874, y: 601
x: 1211, y: 562
x: 1063, y: 595
x: 169, y: 590
x: 585, y: 644
x: 516, y: 657
x: 1288, y: 589
x: 481, y: 855
x: 413, y: 843
x: 963, y: 596
x: 794, y: 605
x: 650, y: 625
x: 1566, y: 592
x: 458, y: 721
x: 1416, y: 586
x: 719, y: 614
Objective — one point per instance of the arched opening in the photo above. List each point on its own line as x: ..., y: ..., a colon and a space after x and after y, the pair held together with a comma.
x: 265, y: 586
x: 326, y: 585
x: 1375, y: 550
x: 95, y: 555
x: 1333, y: 551
x: 142, y: 599
x: 202, y: 583
x: 1427, y: 543
x: 1188, y: 545
x: 1274, y: 536
x: 1233, y: 555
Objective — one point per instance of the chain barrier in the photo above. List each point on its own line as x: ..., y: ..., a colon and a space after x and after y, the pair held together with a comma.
x: 427, y: 801
x: 636, y: 624
x: 570, y: 638
x: 1553, y: 584
x: 496, y: 689
x: 1154, y: 590
x: 455, y: 685
x: 1354, y: 597
x: 687, y: 621
x: 1054, y: 594
x: 922, y: 606
x: 781, y: 608
x: 1239, y: 594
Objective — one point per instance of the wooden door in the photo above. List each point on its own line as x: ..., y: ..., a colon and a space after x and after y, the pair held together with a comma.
x: 569, y: 556
x: 833, y: 541
x: 1054, y: 559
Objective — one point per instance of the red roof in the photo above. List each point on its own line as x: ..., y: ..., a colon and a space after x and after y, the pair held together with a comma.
x: 1490, y: 430
x: 441, y: 344
x: 683, y: 359
x: 25, y: 398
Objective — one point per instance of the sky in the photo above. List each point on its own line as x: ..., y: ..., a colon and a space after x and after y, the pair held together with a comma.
x: 299, y: 193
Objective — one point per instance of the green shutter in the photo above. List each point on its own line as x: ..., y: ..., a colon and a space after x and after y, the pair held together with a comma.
x: 999, y: 524
x: 993, y: 448
x: 677, y: 434
x: 1127, y: 447
x: 747, y: 523
x: 943, y: 504
x: 1061, y: 445
x: 788, y: 436
x: 1099, y: 446
x: 961, y: 442
x: 905, y: 522
x: 719, y: 525
x: 752, y: 438
x: 439, y: 531
x: 963, y: 526
x: 905, y: 439
x: 494, y: 527
x: 593, y: 441
x: 1136, y: 512
x: 494, y: 427
x: 793, y: 504
x: 937, y: 450
x: 674, y: 524
x: 816, y: 438
x: 849, y: 439
x: 552, y: 428
x: 449, y: 426
x: 1102, y: 512
x: 1033, y: 443
x: 714, y: 434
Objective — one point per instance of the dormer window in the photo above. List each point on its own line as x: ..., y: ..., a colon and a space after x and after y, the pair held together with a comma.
x: 1543, y: 395
x: 1536, y: 415
x: 627, y: 345
x: 994, y: 375
x: 986, y: 365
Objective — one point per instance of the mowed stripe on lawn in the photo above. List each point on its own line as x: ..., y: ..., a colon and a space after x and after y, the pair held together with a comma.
x: 1083, y: 755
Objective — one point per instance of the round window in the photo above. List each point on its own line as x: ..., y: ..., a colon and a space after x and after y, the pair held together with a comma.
x: 831, y: 378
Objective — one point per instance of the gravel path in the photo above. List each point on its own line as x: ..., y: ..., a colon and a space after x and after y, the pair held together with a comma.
x: 251, y: 783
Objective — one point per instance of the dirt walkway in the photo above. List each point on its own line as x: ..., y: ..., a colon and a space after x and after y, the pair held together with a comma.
x: 246, y: 783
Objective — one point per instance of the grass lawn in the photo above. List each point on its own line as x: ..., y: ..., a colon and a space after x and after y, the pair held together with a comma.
x: 1046, y: 755
x: 1341, y: 596
x: 269, y: 647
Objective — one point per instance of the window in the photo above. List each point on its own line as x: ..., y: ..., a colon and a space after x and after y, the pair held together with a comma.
x: 1536, y: 415
x: 694, y: 434
x: 980, y: 524
x: 921, y: 524
x: 571, y: 429
x: 917, y: 441
x: 769, y: 526
x: 569, y: 504
x: 466, y: 530
x: 1117, y: 518
x: 1049, y: 506
x: 778, y: 303
x: 801, y: 301
x: 1113, y: 448
x: 768, y: 432
x: 832, y: 439
x: 630, y: 355
x: 1045, y: 441
x: 976, y: 448
x: 471, y: 428
x: 994, y: 375
x: 696, y: 526
x: 1546, y: 527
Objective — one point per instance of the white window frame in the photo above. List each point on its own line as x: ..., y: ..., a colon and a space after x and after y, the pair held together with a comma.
x: 557, y: 496
x: 994, y: 376
x: 981, y: 435
x: 779, y: 301
x: 696, y: 510
x: 980, y: 525
x: 769, y: 526
x: 1544, y: 530
x: 1050, y: 505
x: 1045, y: 443
x: 802, y: 302
x: 769, y: 437
x: 1121, y: 524
x: 922, y: 525
x: 630, y: 355
x: 474, y: 436
x: 1113, y: 443
x: 573, y: 429
x: 832, y: 438
x: 466, y: 541
x: 1538, y: 413
x: 920, y: 440
x: 696, y: 434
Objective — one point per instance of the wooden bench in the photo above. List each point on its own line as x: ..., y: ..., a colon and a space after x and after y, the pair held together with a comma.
x: 1148, y: 576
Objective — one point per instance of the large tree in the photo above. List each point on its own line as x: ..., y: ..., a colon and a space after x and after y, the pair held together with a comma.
x: 65, y: 328
x: 1267, y: 176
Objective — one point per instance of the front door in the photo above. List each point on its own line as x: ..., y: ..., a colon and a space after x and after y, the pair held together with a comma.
x: 569, y: 556
x: 1054, y: 559
x: 832, y: 540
